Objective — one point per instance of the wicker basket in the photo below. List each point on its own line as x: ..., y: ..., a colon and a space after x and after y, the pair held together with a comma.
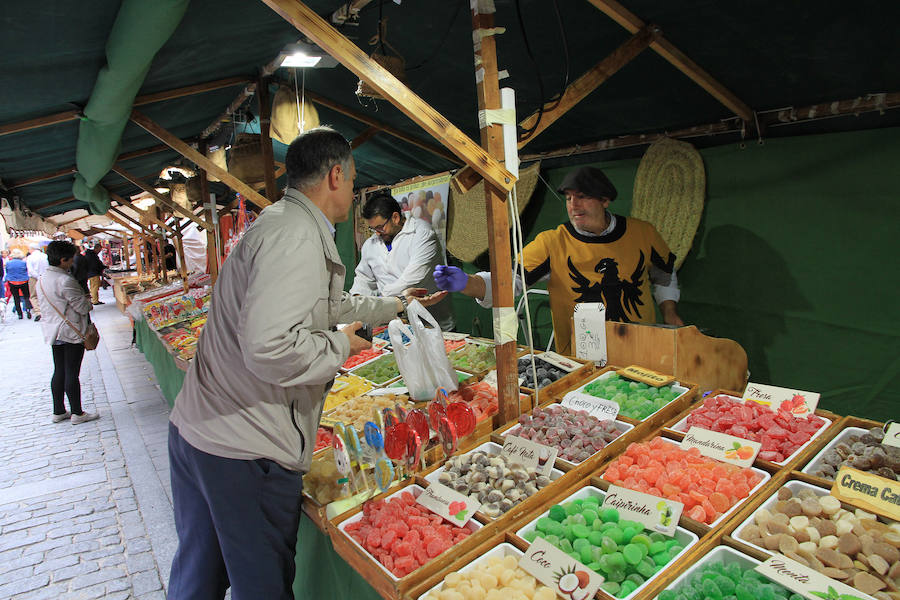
x: 669, y: 190
x: 395, y: 65
x: 245, y: 161
x: 285, y: 117
x: 218, y: 158
x: 187, y: 195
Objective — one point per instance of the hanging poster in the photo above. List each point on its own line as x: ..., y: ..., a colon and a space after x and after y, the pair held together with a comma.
x: 426, y: 199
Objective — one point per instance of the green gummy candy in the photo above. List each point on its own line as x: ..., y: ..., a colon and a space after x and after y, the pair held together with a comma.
x: 616, y: 560
x: 553, y: 539
x: 566, y: 546
x: 592, y: 501
x: 598, y: 525
x: 580, y: 531
x: 628, y: 533
x: 571, y: 508
x: 632, y: 554
x: 675, y: 551
x: 595, y: 567
x: 609, y: 515
x: 586, y: 555
x: 580, y: 543
x: 657, y: 547
x: 613, y: 588
x: 596, y: 538
x: 617, y: 575
x: 589, y: 515
x: 615, y: 534
x: 725, y: 584
x: 543, y: 524
x: 557, y: 513
x: 608, y: 545
x: 661, y: 559
x: 641, y: 539
x: 647, y: 568
x: 628, y: 586
x: 711, y: 590
x: 530, y: 536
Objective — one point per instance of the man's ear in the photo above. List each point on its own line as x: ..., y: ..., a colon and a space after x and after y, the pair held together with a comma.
x: 335, y: 176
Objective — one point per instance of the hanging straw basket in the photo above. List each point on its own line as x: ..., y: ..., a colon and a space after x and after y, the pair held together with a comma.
x: 467, y: 226
x: 669, y: 191
x: 218, y: 158
x: 395, y: 65
x: 187, y: 195
x: 285, y: 117
x: 245, y: 160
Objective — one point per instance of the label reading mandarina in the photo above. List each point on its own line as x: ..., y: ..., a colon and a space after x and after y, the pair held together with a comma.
x: 653, y: 512
x: 721, y: 446
x: 867, y: 491
x: 646, y: 376
x: 560, y: 572
x: 797, y: 402
x: 448, y: 503
x: 806, y: 581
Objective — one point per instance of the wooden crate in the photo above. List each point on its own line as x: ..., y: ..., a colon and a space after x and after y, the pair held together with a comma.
x: 576, y: 378
x: 846, y: 422
x: 813, y: 447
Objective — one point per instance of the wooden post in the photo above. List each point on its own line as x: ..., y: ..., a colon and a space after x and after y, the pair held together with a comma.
x: 265, y: 140
x: 137, y: 244
x: 212, y: 246
x: 179, y: 247
x: 488, y: 89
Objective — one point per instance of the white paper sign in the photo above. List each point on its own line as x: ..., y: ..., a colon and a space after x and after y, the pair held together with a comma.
x: 379, y: 343
x: 806, y: 581
x: 449, y: 504
x: 601, y: 408
x: 452, y: 336
x: 589, y: 327
x: 560, y: 572
x: 534, y: 457
x: 653, y: 512
x: 800, y: 403
x: 721, y: 446
x: 892, y: 435
x: 386, y: 391
x: 559, y: 361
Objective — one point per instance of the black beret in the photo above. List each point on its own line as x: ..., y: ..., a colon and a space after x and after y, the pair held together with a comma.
x: 590, y: 181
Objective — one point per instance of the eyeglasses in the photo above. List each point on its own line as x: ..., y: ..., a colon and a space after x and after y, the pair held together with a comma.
x: 379, y: 228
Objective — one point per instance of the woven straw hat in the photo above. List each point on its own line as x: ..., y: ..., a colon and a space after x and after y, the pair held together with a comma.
x: 669, y: 190
x: 467, y: 226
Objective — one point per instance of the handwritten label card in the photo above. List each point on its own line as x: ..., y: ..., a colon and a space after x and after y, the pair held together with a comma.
x: 448, y: 503
x: 653, y: 512
x: 452, y: 336
x: 868, y: 492
x: 559, y: 571
x: 598, y: 407
x: 589, y: 328
x: 806, y: 581
x: 646, y: 376
x: 558, y: 360
x: 892, y: 435
x: 534, y: 457
x: 721, y: 446
x: 800, y: 403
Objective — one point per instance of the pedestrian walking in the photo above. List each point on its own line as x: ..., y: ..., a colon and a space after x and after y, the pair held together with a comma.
x: 37, y: 265
x: 17, y: 278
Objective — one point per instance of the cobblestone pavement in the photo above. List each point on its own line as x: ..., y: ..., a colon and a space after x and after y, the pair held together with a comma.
x: 85, y: 510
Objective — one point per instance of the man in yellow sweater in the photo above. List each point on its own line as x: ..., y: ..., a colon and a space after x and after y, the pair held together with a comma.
x: 595, y: 257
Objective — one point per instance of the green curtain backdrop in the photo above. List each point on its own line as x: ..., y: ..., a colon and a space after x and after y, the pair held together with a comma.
x: 794, y: 259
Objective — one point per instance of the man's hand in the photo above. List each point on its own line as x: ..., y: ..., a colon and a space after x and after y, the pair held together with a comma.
x: 357, y: 344
x: 452, y: 279
x: 421, y: 295
x: 669, y: 312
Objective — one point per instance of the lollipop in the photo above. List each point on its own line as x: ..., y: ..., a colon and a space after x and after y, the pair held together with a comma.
x: 389, y: 418
x: 418, y: 422
x: 354, y: 449
x: 436, y: 411
x: 462, y: 416
x: 384, y: 474
x: 342, y: 461
x: 401, y: 412
x: 384, y: 470
x: 413, y: 450
x: 395, y: 441
x: 447, y: 433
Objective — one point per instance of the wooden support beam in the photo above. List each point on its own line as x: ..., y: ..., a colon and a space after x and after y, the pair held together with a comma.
x: 676, y: 58
x: 239, y: 101
x: 116, y: 219
x: 212, y: 246
x: 137, y: 244
x: 159, y: 197
x: 73, y: 220
x: 70, y: 115
x: 185, y: 150
x: 147, y: 214
x: 140, y: 226
x: 59, y: 202
x: 179, y: 248
x: 42, y: 177
x: 576, y: 91
x: 488, y: 91
x: 364, y: 137
x: 352, y: 56
x: 384, y: 127
x: 265, y: 140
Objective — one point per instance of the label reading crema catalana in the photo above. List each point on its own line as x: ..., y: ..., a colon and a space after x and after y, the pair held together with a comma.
x: 868, y: 492
x: 653, y: 512
x: 806, y: 581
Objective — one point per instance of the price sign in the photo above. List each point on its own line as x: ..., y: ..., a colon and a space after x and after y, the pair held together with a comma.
x: 892, y: 435
x: 868, y: 492
x: 559, y: 571
x: 558, y: 360
x: 721, y: 446
x: 598, y: 407
x: 534, y: 457
x: 797, y: 402
x: 647, y: 376
x: 806, y: 581
x: 448, y: 503
x: 653, y: 512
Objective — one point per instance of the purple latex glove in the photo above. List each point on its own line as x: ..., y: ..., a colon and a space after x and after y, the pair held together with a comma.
x: 452, y: 279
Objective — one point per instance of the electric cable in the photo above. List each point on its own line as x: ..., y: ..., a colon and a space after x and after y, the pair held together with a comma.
x: 440, y: 45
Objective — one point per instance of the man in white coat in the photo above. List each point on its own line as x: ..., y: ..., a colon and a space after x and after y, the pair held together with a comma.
x: 401, y: 253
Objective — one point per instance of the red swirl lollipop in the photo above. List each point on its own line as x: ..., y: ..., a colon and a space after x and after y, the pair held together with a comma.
x: 395, y: 441
x: 447, y: 433
x: 417, y: 420
x: 462, y: 416
x: 413, y: 450
x: 436, y: 411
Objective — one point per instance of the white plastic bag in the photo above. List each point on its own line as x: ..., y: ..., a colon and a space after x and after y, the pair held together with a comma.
x: 424, y: 363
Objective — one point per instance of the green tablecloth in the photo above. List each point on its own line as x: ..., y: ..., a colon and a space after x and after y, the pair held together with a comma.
x: 321, y: 572
x: 168, y: 375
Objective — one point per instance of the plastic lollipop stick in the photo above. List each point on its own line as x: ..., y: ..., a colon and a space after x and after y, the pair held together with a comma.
x: 413, y: 450
x: 447, y: 433
x: 355, y: 450
x: 441, y: 396
x: 418, y: 421
x: 462, y: 416
x: 389, y: 418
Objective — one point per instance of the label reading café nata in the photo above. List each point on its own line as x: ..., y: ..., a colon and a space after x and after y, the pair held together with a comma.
x: 535, y: 458
x: 868, y: 492
x: 721, y: 446
x: 806, y: 581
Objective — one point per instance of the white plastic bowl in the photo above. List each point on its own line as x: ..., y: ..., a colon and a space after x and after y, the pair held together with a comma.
x: 676, y: 386
x: 843, y: 436
x: 719, y: 554
x: 501, y: 550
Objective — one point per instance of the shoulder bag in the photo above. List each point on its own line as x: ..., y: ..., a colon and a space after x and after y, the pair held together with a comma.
x: 90, y: 338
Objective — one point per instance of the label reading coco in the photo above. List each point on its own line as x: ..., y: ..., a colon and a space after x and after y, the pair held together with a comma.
x: 798, y: 402
x: 535, y: 458
x: 597, y: 407
x: 721, y: 446
x: 560, y: 572
x: 448, y: 503
x: 559, y: 361
x: 646, y: 376
x: 892, y: 435
x: 653, y: 512
x: 867, y: 491
x: 806, y: 581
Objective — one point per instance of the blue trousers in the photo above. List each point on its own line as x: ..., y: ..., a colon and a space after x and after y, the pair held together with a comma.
x: 237, y: 524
